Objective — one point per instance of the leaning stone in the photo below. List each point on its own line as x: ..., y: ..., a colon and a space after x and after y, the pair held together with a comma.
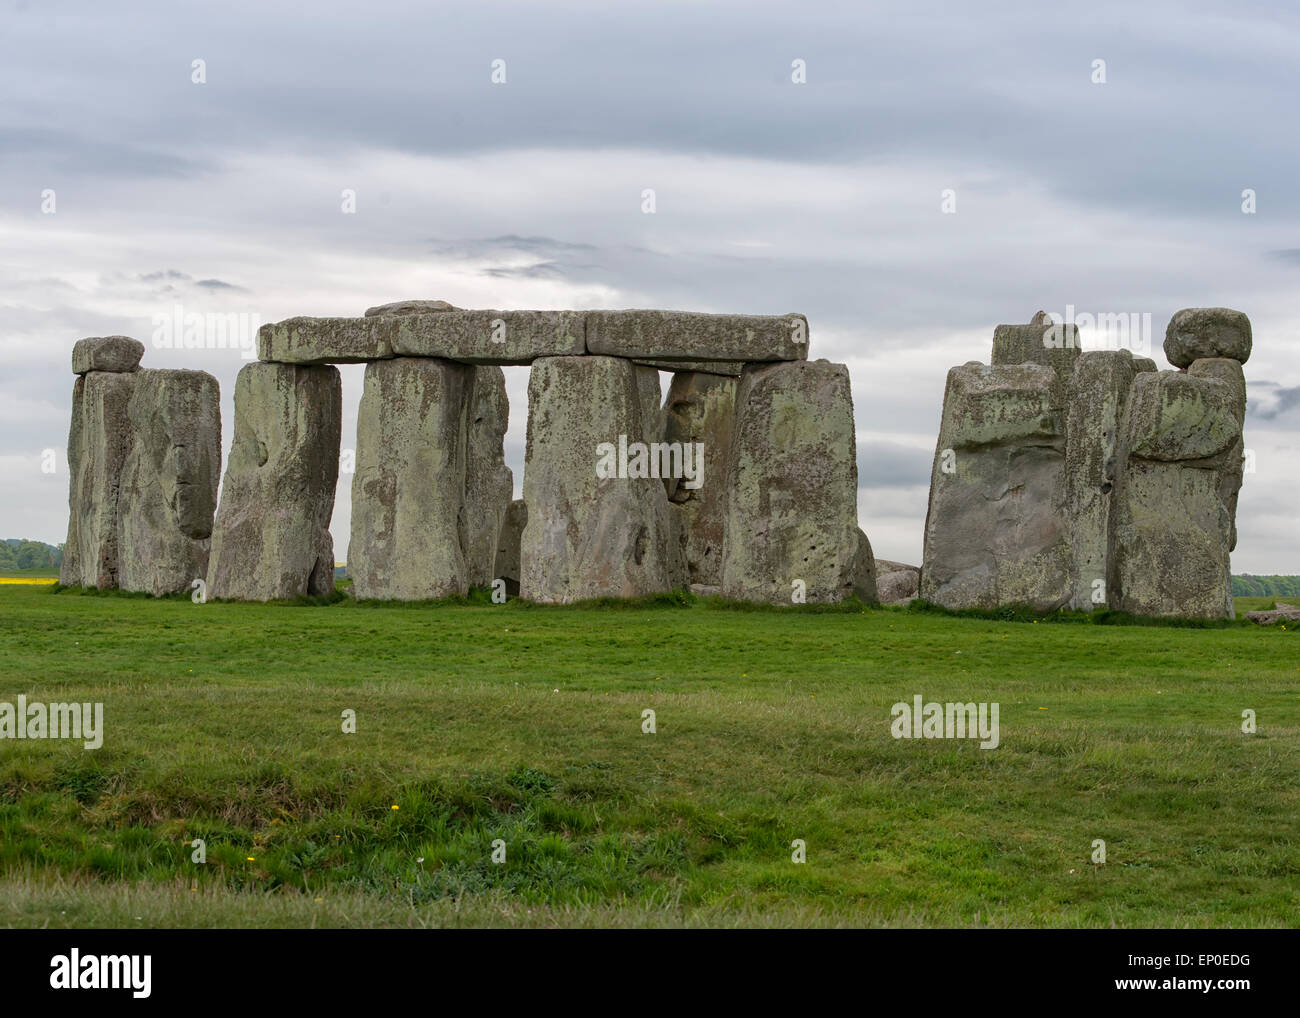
x: 690, y: 336
x: 491, y: 337
x: 700, y: 410
x: 1098, y: 395
x: 271, y: 538
x: 106, y: 353
x: 489, y: 483
x: 98, y: 442
x: 512, y: 531
x: 589, y: 534
x: 409, y: 485
x: 1280, y: 613
x: 411, y: 307
x: 1040, y: 342
x: 1196, y: 333
x: 327, y: 340
x: 997, y: 531
x: 169, y: 481
x: 1172, y: 528
x: 791, y: 521
x: 864, y: 570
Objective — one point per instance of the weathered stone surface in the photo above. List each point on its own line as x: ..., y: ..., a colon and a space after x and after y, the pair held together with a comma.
x: 864, y: 570
x: 411, y: 307
x: 327, y: 340
x: 730, y: 369
x: 1231, y: 473
x: 700, y: 409
x: 997, y: 529
x: 1098, y: 395
x: 408, y: 492
x: 508, y: 543
x: 1040, y: 342
x: 106, y: 353
x: 791, y: 506
x: 489, y: 483
x: 491, y: 337
x: 271, y: 538
x: 168, y: 492
x: 1196, y: 333
x: 587, y: 535
x: 1284, y: 613
x: 98, y: 441
x: 897, y: 586
x: 1172, y: 528
x: 691, y: 336
x: 1144, y: 364
x: 651, y: 395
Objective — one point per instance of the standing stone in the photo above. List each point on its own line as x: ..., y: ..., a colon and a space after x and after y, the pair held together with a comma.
x: 169, y: 481
x: 1097, y: 398
x: 271, y: 538
x: 651, y: 395
x: 589, y: 534
x: 408, y: 490
x: 700, y: 409
x: 512, y: 532
x: 489, y: 483
x: 1040, y: 342
x: 98, y: 441
x: 864, y: 570
x: 792, y: 478
x: 1197, y: 333
x: 1172, y: 527
x: 997, y: 531
x: 1231, y: 475
x: 897, y: 583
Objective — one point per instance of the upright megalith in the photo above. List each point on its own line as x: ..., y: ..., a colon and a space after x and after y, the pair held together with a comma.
x: 98, y: 442
x: 597, y: 521
x: 409, y: 486
x: 997, y: 530
x: 271, y: 538
x: 1097, y: 397
x: 1173, y: 528
x: 1225, y: 369
x: 1043, y: 341
x: 508, y: 543
x: 489, y: 483
x: 791, y: 524
x: 700, y: 410
x: 168, y: 493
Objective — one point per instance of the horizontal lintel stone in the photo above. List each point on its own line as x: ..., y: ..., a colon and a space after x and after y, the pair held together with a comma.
x: 693, y: 336
x: 491, y: 337
x: 307, y: 340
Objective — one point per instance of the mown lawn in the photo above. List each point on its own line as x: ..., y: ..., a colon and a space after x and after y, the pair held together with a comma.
x: 524, y: 724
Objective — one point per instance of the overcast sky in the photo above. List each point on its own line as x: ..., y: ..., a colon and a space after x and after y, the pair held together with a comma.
x: 771, y: 196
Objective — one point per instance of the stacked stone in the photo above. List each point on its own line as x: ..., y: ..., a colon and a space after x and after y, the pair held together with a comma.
x: 432, y: 513
x: 144, y: 456
x: 1064, y: 478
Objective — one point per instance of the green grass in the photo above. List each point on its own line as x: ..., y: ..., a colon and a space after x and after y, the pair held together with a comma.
x: 521, y: 723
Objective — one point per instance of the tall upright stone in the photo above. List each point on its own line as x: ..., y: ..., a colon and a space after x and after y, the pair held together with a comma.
x: 1231, y: 474
x: 508, y: 545
x: 168, y: 492
x: 98, y: 442
x: 596, y: 524
x: 791, y: 527
x: 409, y: 487
x: 700, y: 409
x: 997, y: 530
x: 1042, y: 341
x: 1097, y: 397
x: 271, y: 538
x: 1173, y: 528
x: 489, y: 483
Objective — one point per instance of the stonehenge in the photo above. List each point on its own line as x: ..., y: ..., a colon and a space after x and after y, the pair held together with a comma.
x: 1061, y: 478
x: 1065, y: 478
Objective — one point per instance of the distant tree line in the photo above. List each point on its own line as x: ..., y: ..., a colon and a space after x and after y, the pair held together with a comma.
x: 1247, y: 585
x: 19, y: 555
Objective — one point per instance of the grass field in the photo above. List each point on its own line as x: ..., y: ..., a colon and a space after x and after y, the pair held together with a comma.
x: 477, y: 722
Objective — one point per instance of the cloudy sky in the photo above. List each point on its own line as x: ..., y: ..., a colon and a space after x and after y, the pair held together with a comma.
x: 825, y: 197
